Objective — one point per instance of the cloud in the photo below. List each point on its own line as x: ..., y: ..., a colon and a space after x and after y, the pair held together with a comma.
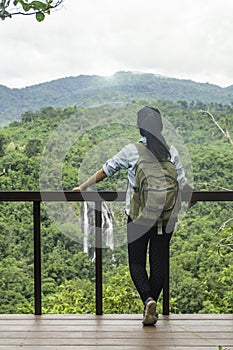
x: 182, y: 38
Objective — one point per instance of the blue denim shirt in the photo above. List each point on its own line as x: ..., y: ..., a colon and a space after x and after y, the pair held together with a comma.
x: 127, y: 158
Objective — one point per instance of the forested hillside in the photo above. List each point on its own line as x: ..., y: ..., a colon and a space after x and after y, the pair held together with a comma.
x: 201, y: 265
x: 85, y: 90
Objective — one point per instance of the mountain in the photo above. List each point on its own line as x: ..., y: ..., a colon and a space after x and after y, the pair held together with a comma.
x: 86, y: 90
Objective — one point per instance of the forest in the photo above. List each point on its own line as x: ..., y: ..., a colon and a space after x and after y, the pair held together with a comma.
x: 56, y: 148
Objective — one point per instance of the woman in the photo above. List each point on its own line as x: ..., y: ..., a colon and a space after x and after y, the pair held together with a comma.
x: 149, y: 122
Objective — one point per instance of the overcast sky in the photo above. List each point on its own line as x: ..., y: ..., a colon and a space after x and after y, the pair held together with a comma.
x: 191, y: 39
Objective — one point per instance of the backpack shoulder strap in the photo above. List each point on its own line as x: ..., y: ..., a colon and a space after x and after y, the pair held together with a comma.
x: 144, y: 153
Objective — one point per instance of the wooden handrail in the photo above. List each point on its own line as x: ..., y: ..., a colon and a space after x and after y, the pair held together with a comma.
x: 93, y: 196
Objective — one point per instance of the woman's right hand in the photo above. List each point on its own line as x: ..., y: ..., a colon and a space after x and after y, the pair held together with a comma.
x: 77, y: 189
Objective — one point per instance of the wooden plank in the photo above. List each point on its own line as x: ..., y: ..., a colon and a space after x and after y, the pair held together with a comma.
x: 219, y: 335
x: 111, y: 322
x: 119, y: 328
x: 98, y: 335
x: 110, y: 342
x: 115, y: 317
x: 207, y: 322
x: 217, y: 338
x: 61, y: 322
x: 4, y: 347
x: 198, y: 316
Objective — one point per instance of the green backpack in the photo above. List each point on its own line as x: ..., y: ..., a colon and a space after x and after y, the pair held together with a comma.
x: 156, y: 191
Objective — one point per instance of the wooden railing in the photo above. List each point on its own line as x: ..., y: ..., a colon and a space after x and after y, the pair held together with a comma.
x: 96, y: 197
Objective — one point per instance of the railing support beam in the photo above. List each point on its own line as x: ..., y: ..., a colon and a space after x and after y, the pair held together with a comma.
x: 37, y: 258
x: 98, y: 261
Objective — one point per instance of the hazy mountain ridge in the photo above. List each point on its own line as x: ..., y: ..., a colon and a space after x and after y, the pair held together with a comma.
x: 87, y: 90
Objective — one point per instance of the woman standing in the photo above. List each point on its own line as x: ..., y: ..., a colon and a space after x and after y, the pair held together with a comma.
x: 149, y: 287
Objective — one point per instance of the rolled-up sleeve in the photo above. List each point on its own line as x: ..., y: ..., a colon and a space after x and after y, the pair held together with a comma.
x: 117, y: 162
x: 175, y: 158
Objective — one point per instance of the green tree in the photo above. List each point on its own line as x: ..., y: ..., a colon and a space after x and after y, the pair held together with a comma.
x: 9, y: 8
x: 225, y: 132
x: 16, y: 285
x: 119, y: 293
x: 2, y: 144
x: 33, y: 147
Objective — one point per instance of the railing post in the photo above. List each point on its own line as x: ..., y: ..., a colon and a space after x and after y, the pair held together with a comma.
x: 98, y: 261
x: 37, y: 258
x: 166, y: 281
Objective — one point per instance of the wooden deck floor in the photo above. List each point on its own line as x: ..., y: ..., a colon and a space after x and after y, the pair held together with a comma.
x: 115, y: 332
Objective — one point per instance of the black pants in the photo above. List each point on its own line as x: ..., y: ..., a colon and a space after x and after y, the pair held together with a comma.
x: 147, y: 285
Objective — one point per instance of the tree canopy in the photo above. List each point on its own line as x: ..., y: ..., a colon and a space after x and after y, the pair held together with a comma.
x: 9, y: 8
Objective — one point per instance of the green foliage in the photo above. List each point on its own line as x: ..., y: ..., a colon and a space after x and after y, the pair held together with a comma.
x: 15, y: 285
x: 201, y: 265
x: 199, y: 272
x: 119, y: 294
x: 77, y: 296
x: 33, y: 147
x: 2, y: 144
x: 68, y: 299
x: 37, y: 8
